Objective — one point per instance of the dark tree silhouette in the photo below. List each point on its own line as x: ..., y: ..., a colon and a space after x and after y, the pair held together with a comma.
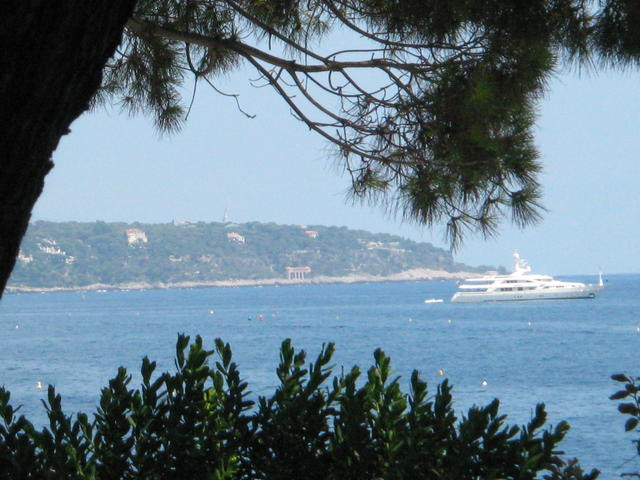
x: 52, y: 55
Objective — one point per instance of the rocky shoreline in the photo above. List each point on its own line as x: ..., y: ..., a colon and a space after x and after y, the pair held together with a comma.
x: 417, y: 274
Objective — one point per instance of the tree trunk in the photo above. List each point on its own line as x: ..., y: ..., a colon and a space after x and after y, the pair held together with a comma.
x: 52, y: 53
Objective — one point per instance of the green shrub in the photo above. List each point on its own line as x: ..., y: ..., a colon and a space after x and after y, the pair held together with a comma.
x: 629, y: 398
x: 198, y: 423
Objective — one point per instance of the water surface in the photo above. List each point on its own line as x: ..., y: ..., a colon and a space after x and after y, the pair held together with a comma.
x: 559, y: 352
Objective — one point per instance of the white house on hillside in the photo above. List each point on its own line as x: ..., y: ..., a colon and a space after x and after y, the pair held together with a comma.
x: 235, y: 237
x: 135, y: 235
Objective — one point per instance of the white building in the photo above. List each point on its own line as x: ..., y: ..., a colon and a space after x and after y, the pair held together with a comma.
x: 297, y: 273
x: 50, y: 247
x: 135, y: 235
x: 25, y: 258
x: 235, y: 237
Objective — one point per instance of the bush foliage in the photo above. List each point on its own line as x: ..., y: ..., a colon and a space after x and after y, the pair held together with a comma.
x: 629, y: 405
x: 198, y: 423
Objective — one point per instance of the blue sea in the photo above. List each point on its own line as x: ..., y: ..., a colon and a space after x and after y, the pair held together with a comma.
x: 560, y: 352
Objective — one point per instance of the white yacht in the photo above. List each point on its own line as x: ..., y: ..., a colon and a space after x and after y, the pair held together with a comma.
x: 521, y: 285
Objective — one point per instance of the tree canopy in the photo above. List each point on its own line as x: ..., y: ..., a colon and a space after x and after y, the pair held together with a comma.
x: 430, y: 104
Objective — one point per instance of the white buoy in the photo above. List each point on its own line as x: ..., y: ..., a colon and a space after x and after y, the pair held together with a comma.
x: 440, y: 372
x: 410, y: 319
x: 449, y: 321
x: 17, y: 326
x: 529, y: 323
x: 39, y: 385
x: 212, y: 312
x: 484, y: 383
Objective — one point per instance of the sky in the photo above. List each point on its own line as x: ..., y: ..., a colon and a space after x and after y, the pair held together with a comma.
x: 114, y: 167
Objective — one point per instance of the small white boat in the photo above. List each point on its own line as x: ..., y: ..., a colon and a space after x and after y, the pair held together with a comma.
x: 433, y: 300
x: 521, y: 285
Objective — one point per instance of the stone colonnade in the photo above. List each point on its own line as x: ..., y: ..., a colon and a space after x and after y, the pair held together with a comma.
x: 297, y: 273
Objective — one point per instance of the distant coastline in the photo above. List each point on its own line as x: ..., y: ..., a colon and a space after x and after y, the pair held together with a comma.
x: 415, y: 274
x: 90, y: 256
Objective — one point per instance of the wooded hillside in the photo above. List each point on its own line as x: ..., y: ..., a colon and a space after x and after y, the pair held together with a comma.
x: 73, y: 254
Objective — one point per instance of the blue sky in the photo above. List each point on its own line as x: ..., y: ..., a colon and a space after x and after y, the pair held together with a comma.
x: 272, y: 169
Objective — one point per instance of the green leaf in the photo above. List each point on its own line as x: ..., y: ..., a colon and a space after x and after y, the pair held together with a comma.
x: 628, y: 408
x: 630, y: 424
x: 619, y: 395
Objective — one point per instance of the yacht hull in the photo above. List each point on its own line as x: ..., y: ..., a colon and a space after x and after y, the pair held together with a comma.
x: 560, y: 294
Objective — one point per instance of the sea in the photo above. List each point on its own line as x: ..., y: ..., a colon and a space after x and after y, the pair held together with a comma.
x: 560, y: 352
